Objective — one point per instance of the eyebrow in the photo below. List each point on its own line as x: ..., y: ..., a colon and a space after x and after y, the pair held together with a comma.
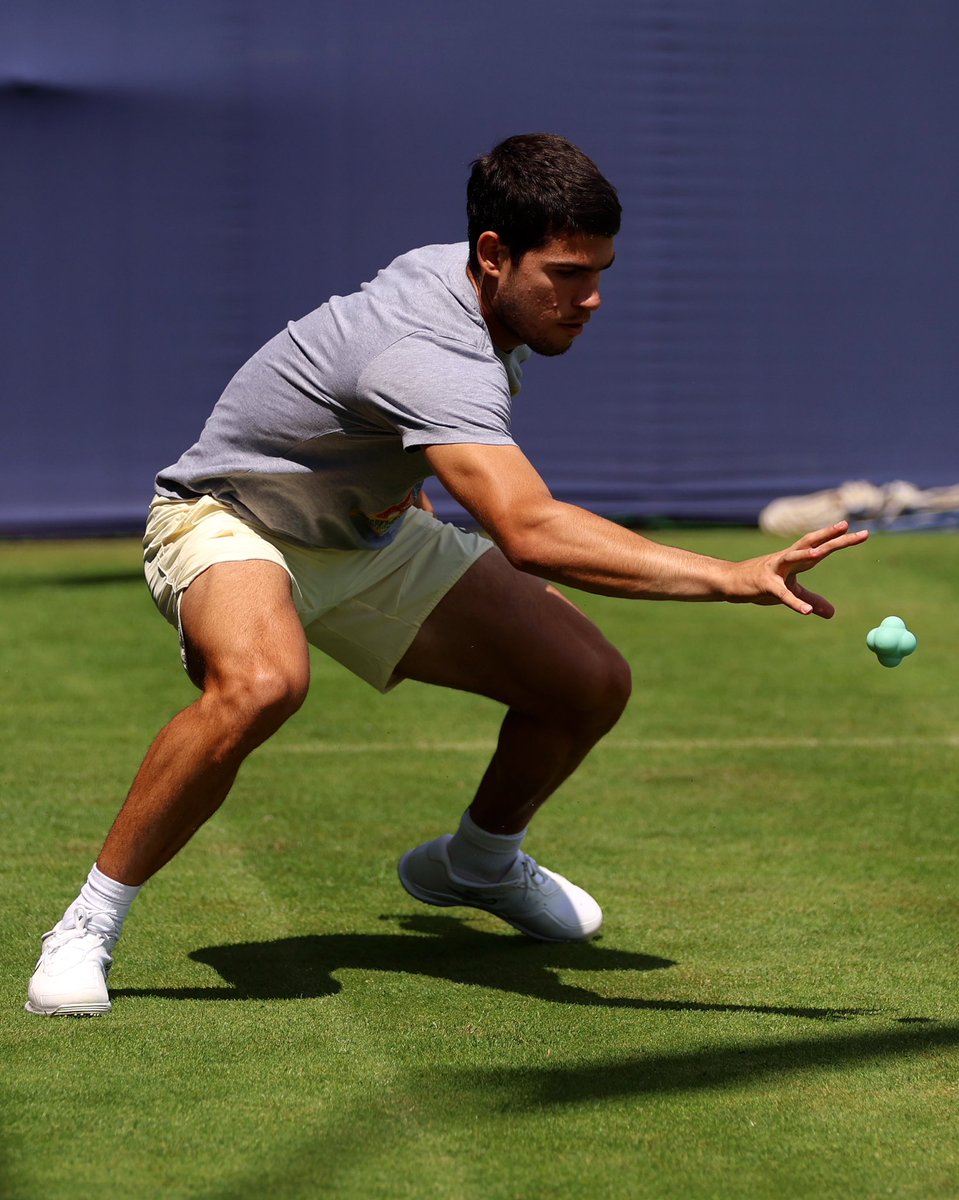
x: 564, y: 264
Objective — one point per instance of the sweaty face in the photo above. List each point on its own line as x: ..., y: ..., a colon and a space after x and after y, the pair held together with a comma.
x: 546, y: 298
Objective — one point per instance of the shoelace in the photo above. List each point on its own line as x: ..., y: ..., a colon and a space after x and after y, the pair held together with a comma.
x: 534, y: 873
x: 60, y: 935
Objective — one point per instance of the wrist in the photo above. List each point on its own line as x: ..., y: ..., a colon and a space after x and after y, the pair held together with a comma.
x: 728, y: 580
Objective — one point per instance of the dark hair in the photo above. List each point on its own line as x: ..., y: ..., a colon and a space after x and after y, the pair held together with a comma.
x: 536, y: 186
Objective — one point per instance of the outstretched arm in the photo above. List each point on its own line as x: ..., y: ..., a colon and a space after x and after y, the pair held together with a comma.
x: 501, y: 489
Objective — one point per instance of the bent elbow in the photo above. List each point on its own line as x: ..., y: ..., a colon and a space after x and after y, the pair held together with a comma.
x: 523, y: 550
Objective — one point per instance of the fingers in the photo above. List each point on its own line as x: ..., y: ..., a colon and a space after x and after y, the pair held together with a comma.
x: 810, y: 602
x: 782, y: 587
x: 820, y: 535
x: 831, y: 537
x: 810, y: 550
x: 804, y: 555
x: 796, y: 603
x: 841, y: 541
x: 805, y: 603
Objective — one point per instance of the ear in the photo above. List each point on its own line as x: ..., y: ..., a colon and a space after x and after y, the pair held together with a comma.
x: 492, y: 253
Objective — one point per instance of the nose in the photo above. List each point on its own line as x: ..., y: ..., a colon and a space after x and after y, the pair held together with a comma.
x: 591, y: 300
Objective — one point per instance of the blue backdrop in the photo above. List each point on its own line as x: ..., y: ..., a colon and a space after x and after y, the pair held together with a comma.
x: 181, y: 179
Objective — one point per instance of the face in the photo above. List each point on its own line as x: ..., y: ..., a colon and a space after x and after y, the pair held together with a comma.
x: 546, y: 299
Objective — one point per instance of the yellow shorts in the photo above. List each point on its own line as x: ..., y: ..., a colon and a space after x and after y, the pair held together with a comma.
x: 361, y: 607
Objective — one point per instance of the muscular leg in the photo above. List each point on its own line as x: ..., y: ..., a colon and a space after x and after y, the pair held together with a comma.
x: 247, y: 652
x: 512, y: 637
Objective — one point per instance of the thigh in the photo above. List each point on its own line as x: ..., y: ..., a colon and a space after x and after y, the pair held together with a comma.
x: 239, y: 619
x: 184, y: 538
x: 515, y: 638
x: 365, y: 608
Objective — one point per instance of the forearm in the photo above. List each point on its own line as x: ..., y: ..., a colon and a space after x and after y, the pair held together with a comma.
x: 544, y: 536
x: 571, y: 546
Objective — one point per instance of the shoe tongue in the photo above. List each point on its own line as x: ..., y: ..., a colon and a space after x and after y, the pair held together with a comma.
x: 102, y: 923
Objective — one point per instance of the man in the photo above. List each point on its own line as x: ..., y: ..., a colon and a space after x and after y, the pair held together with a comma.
x: 298, y: 518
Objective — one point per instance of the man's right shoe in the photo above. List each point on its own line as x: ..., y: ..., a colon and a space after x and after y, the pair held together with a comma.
x: 538, y: 902
x: 71, y: 975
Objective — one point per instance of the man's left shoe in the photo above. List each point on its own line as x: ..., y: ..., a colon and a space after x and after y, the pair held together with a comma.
x: 536, y: 901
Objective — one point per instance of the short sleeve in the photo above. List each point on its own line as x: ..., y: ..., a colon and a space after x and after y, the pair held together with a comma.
x: 435, y: 392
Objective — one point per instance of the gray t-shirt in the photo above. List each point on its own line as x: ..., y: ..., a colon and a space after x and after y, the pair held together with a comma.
x: 319, y: 437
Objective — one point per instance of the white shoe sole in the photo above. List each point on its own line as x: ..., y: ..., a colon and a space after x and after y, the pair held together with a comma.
x: 440, y: 900
x: 70, y: 1010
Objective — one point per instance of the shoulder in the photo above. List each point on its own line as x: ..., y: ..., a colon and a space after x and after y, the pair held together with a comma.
x: 426, y: 299
x: 433, y: 286
x: 438, y: 360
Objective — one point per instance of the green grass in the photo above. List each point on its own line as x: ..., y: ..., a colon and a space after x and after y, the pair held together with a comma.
x: 771, y: 829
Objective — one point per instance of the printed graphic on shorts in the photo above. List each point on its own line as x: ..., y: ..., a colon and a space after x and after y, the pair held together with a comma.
x: 382, y: 522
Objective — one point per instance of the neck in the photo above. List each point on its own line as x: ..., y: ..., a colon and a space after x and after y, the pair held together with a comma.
x: 485, y: 287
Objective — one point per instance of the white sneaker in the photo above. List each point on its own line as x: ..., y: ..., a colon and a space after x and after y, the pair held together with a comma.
x: 71, y: 975
x: 538, y: 902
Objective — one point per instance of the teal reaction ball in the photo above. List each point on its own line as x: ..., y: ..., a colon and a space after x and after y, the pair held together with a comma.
x: 891, y: 642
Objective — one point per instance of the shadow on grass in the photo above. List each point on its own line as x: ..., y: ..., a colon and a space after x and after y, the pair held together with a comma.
x: 705, y: 1070
x: 356, y: 1147
x: 27, y: 583
x: 443, y: 948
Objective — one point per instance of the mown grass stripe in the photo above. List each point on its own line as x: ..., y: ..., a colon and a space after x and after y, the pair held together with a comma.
x: 626, y: 744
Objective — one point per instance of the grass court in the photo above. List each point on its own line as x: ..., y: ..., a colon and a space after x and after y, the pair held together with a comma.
x: 772, y: 831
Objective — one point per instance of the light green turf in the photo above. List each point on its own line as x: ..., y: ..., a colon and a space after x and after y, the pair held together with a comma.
x: 770, y: 1012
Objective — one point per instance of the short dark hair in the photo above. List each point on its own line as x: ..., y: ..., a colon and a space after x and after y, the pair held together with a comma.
x: 536, y: 186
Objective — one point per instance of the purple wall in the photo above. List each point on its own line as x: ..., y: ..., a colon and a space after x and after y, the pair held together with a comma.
x: 181, y: 179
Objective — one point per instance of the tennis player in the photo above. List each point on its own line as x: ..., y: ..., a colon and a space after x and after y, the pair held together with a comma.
x: 298, y: 518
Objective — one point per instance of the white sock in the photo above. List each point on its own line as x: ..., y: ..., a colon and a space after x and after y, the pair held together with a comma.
x: 107, y: 901
x: 485, y: 857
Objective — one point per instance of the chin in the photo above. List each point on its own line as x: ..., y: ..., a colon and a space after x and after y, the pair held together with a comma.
x: 549, y: 349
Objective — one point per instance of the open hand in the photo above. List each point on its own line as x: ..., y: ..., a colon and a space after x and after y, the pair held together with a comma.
x: 771, y: 579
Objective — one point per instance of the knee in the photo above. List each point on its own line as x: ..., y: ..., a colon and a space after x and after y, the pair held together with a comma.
x: 259, y: 700
x: 276, y: 693
x: 610, y: 687
x: 596, y: 692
